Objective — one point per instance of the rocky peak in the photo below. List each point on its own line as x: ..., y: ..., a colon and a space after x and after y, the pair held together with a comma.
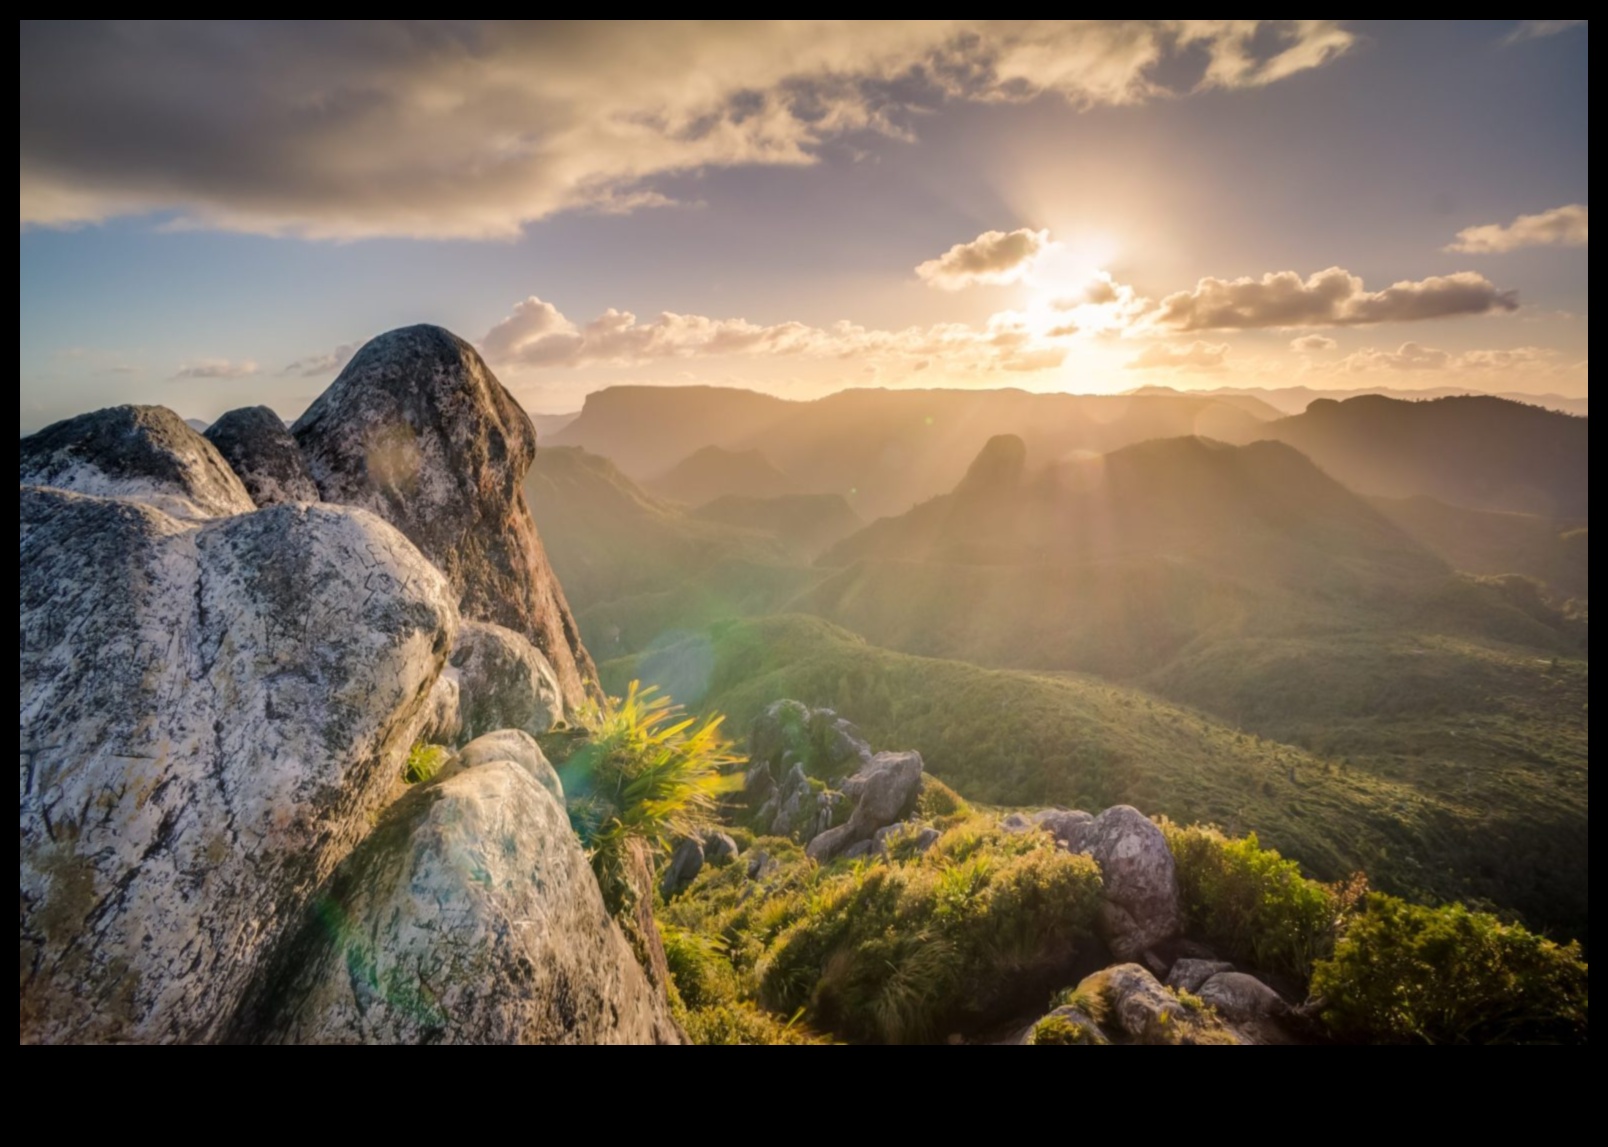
x: 417, y: 429
x: 262, y: 453
x: 142, y: 453
x: 998, y: 466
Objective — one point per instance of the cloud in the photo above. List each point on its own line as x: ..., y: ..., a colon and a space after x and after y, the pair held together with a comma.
x: 1413, y: 356
x: 993, y: 257
x: 217, y: 368
x: 1312, y: 344
x: 319, y: 365
x: 1560, y: 227
x: 1536, y: 29
x: 467, y: 130
x: 1331, y: 298
x: 537, y: 334
x: 1196, y: 356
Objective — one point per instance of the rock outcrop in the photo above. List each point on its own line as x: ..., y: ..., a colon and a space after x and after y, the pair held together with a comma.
x: 686, y: 861
x: 1189, y: 974
x: 211, y: 712
x: 470, y: 915
x: 417, y: 429
x: 1241, y: 996
x: 142, y: 453
x: 504, y: 682
x: 885, y: 787
x: 261, y: 452
x: 1140, y: 878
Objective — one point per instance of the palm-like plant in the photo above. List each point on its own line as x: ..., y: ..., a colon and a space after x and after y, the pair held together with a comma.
x: 648, y: 774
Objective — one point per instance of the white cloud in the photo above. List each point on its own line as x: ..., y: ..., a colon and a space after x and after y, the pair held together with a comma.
x: 1560, y: 227
x: 320, y: 365
x: 993, y: 257
x: 1312, y: 344
x: 1536, y: 29
x: 1196, y: 356
x: 217, y: 368
x: 1330, y: 298
x: 536, y: 334
x: 470, y: 130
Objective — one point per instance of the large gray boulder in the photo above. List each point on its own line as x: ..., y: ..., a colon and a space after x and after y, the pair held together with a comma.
x: 261, y: 452
x: 503, y: 681
x: 1140, y: 908
x: 144, y: 453
x: 470, y: 915
x: 211, y: 714
x: 417, y: 429
x: 885, y: 788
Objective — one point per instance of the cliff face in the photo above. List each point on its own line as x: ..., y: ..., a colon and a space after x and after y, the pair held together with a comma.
x: 418, y: 430
x: 217, y: 702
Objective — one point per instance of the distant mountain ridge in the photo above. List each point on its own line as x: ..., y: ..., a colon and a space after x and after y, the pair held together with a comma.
x: 1295, y: 399
x: 1479, y: 451
x: 884, y: 450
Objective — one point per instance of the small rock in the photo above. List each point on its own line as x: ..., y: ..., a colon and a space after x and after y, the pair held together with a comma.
x: 685, y: 863
x: 1015, y: 822
x: 719, y: 848
x: 761, y: 864
x: 1070, y: 828
x: 1241, y: 996
x: 1141, y: 881
x: 517, y: 746
x: 1081, y: 1029
x: 504, y: 682
x: 885, y: 787
x: 1189, y: 975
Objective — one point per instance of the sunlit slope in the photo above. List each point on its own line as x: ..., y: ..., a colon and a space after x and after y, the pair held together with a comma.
x: 714, y: 472
x: 1551, y: 550
x: 608, y: 538
x: 1013, y: 737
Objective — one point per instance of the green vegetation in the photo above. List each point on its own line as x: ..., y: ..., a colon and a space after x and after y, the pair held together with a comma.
x: 1251, y: 904
x: 646, y: 774
x: 1403, y: 973
x: 1060, y: 1030
x: 424, y: 762
x: 896, y: 950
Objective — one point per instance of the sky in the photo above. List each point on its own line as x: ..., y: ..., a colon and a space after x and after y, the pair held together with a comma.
x: 217, y: 215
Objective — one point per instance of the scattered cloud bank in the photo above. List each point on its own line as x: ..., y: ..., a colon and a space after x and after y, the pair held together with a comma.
x: 993, y: 257
x: 1331, y: 298
x: 319, y: 365
x: 1560, y: 227
x: 1196, y: 356
x: 1413, y: 356
x: 1536, y: 29
x: 537, y: 334
x: 471, y: 130
x: 217, y: 368
x: 1312, y: 344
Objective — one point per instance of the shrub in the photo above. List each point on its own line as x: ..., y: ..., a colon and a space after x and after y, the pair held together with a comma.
x: 743, y: 1023
x: 895, y: 953
x: 937, y: 800
x: 647, y: 774
x: 424, y: 762
x: 702, y: 974
x: 1252, y: 903
x: 1403, y: 973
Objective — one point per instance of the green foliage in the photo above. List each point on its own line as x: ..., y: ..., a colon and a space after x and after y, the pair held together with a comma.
x: 647, y: 774
x: 1054, y: 1030
x: 740, y: 1022
x: 1445, y: 769
x: 702, y: 974
x: 424, y: 762
x: 894, y: 953
x: 937, y: 801
x: 1403, y: 973
x: 1251, y: 903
